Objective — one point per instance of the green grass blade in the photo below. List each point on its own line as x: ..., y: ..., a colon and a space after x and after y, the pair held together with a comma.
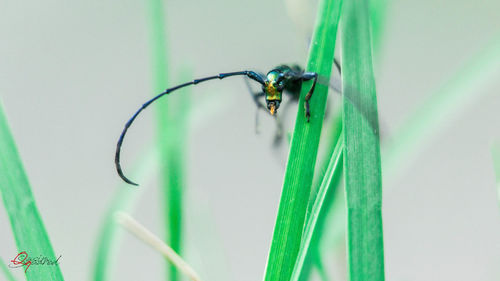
x: 428, y: 119
x: 332, y: 137
x: 363, y: 180
x: 495, y: 154
x: 313, y: 225
x: 300, y: 168
x: 5, y: 270
x: 25, y: 220
x: 330, y: 233
x: 460, y: 90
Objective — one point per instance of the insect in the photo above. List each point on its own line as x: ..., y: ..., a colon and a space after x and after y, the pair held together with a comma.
x: 280, y: 79
x: 293, y: 98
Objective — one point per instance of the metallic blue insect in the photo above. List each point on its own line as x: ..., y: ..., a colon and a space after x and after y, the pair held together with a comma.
x: 280, y: 79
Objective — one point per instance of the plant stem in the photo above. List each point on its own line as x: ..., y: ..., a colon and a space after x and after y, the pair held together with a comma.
x: 156, y: 243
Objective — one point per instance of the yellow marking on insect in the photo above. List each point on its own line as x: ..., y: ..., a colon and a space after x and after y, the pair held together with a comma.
x: 272, y: 109
x: 270, y: 89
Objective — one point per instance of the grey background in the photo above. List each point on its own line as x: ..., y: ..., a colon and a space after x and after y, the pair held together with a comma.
x: 72, y: 72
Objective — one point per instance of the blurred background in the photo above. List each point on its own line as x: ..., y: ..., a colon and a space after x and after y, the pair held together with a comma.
x: 72, y: 73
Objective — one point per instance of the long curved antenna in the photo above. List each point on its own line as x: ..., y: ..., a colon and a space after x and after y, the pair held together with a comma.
x: 250, y: 74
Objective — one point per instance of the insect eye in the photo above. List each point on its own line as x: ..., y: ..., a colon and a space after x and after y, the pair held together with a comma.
x: 281, y: 85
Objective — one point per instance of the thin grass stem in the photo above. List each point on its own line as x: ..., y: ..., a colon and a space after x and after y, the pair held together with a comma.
x: 134, y: 227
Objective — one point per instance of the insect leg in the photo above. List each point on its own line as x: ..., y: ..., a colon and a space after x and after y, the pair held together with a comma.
x: 337, y: 65
x: 305, y: 77
x: 255, y: 97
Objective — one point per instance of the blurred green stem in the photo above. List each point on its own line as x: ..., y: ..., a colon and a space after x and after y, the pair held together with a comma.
x: 171, y: 130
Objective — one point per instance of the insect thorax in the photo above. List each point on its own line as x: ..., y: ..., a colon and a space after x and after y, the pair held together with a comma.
x: 271, y: 86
